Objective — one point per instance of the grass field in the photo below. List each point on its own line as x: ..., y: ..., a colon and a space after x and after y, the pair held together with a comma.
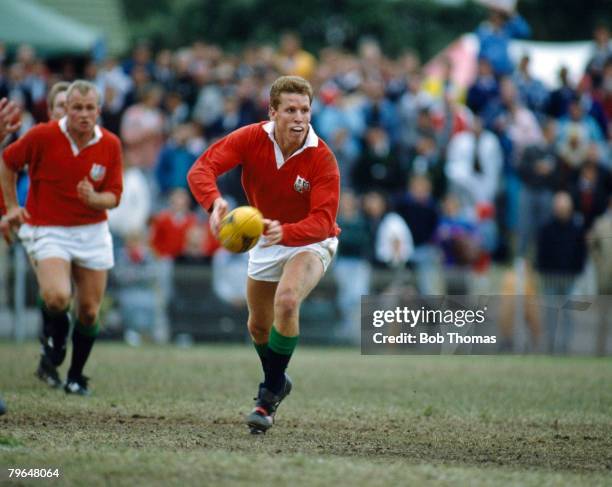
x: 169, y: 416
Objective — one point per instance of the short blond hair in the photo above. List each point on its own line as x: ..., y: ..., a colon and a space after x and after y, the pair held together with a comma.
x: 55, y: 90
x: 289, y: 84
x: 83, y: 87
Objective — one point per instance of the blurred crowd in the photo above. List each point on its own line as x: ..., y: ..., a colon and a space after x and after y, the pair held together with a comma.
x: 439, y: 180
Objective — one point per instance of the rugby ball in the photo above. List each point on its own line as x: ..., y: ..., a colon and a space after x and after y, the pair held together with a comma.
x: 241, y: 228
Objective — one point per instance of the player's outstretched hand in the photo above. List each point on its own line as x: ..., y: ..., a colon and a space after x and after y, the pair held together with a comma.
x: 273, y: 232
x: 10, y: 117
x: 220, y: 208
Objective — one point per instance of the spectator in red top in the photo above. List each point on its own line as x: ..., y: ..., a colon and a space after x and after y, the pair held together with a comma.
x: 170, y: 227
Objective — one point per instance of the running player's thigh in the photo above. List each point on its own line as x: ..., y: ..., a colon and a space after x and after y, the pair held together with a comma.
x: 260, y: 299
x: 53, y: 276
x: 300, y: 275
x: 90, y: 285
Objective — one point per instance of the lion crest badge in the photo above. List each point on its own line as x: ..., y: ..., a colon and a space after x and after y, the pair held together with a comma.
x: 97, y: 172
x: 301, y: 185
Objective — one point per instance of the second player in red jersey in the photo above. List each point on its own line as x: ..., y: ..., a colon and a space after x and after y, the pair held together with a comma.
x: 75, y: 173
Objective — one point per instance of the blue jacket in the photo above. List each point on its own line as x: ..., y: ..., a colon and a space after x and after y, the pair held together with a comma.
x: 494, y: 44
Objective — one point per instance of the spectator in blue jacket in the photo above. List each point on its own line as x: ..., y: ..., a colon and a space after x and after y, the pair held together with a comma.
x: 494, y: 35
x: 176, y: 158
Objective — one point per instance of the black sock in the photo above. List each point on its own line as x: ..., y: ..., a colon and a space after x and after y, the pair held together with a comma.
x: 275, y: 371
x: 83, y: 338
x: 47, y: 321
x: 56, y: 325
x: 262, y: 352
x: 280, y: 350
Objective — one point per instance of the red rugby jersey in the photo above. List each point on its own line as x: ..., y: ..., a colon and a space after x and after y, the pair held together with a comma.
x: 301, y: 193
x: 56, y: 166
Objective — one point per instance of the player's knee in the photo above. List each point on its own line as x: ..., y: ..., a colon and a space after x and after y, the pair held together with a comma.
x: 286, y: 305
x: 87, y: 314
x: 259, y: 331
x: 56, y: 300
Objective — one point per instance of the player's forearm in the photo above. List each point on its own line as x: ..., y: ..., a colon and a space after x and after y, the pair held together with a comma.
x: 103, y: 201
x: 8, y: 184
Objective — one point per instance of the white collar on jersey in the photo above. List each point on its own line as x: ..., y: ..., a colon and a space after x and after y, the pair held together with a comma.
x: 63, y: 125
x: 312, y: 140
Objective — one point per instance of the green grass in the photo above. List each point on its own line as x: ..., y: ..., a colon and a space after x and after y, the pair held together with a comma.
x: 169, y: 416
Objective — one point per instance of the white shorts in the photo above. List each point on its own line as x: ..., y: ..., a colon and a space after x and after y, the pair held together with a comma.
x: 88, y: 246
x: 267, y: 263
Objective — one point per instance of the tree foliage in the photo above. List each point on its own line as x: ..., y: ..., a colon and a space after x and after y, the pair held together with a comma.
x: 423, y: 25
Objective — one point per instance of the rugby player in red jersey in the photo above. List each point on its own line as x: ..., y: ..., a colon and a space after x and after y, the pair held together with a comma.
x: 292, y: 177
x: 75, y: 176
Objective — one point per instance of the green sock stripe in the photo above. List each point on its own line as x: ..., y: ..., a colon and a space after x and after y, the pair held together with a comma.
x: 90, y: 331
x: 262, y: 349
x: 281, y: 344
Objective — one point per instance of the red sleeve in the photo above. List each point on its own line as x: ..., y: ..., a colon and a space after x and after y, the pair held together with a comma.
x: 321, y: 220
x: 113, y: 183
x: 20, y: 153
x: 219, y: 158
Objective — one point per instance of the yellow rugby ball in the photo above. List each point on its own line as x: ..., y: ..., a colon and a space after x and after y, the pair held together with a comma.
x: 241, y: 228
